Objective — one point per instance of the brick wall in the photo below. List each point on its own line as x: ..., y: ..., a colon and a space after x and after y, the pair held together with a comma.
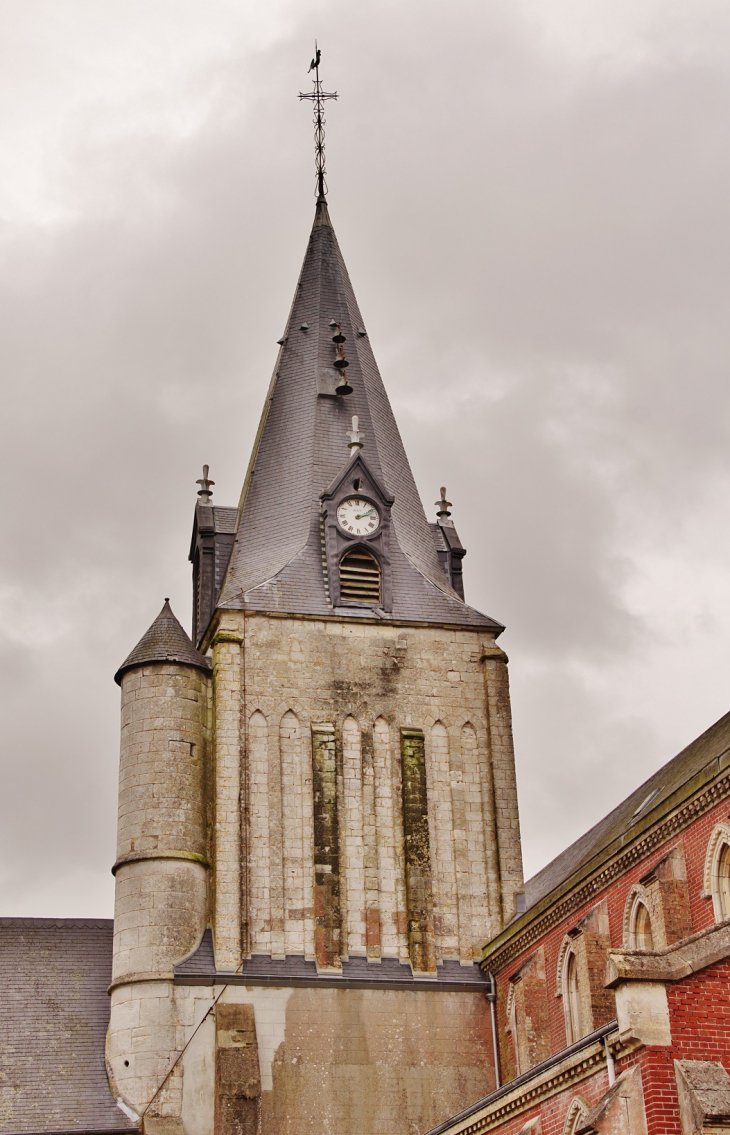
x: 686, y: 908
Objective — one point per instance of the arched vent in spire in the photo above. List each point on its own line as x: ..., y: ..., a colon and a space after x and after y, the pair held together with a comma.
x: 360, y: 577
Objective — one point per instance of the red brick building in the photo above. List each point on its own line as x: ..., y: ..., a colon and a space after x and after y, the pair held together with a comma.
x: 612, y: 1006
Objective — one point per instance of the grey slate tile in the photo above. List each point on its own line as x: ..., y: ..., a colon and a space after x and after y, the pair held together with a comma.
x: 302, y: 446
x: 53, y: 1020
x: 294, y: 968
x: 165, y: 641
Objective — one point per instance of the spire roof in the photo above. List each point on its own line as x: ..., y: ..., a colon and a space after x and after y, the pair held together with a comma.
x: 301, y: 447
x: 165, y: 641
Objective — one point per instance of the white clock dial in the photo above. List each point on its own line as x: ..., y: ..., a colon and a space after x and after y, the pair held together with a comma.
x: 358, y: 517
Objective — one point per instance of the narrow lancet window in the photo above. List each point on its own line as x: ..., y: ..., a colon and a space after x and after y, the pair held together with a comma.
x: 643, y: 937
x: 723, y: 882
x: 573, y: 1014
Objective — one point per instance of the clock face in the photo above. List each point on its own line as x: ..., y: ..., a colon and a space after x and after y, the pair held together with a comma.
x: 358, y: 517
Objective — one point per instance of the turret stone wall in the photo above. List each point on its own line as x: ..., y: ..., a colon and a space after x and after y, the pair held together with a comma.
x: 162, y: 869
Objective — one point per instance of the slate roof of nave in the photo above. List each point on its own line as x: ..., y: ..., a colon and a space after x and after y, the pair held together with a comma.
x: 301, y: 447
x: 646, y: 804
x: 54, y: 974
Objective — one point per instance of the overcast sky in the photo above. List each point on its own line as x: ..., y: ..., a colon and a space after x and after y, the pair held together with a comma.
x: 531, y: 197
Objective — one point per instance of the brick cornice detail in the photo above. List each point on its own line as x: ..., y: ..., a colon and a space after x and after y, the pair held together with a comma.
x: 573, y: 901
x: 558, y: 1079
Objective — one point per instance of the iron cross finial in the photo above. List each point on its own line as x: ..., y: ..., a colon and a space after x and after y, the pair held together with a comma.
x: 443, y: 505
x: 318, y: 97
x: 354, y: 435
x: 205, y: 492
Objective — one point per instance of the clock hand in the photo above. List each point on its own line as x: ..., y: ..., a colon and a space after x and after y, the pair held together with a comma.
x: 362, y: 515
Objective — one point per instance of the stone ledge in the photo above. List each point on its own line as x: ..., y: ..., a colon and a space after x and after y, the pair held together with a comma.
x: 142, y: 977
x: 673, y: 963
x: 703, y: 1089
x: 143, y: 856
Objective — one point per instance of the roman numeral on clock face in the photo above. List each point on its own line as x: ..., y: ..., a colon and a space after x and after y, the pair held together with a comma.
x: 358, y: 517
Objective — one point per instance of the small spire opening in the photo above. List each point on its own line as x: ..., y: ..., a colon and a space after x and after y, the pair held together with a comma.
x: 360, y: 578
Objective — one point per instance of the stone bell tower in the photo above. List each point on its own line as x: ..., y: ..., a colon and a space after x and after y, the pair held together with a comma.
x: 318, y: 824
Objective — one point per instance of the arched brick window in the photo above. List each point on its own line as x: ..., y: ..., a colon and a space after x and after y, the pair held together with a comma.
x: 638, y: 926
x: 512, y: 1030
x: 723, y: 880
x: 717, y: 872
x: 573, y: 987
x: 577, y: 1114
x: 642, y: 935
x: 572, y: 997
x: 360, y: 577
x: 639, y: 931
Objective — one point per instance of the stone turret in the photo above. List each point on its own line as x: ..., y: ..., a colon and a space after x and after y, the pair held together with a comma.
x: 161, y: 869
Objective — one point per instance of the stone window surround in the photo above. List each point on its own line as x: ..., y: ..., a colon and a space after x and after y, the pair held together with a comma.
x: 577, y: 1114
x: 719, y: 840
x: 571, y: 948
x: 511, y: 1026
x: 637, y: 896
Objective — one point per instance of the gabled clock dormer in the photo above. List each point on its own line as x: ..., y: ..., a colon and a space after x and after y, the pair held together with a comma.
x: 356, y: 521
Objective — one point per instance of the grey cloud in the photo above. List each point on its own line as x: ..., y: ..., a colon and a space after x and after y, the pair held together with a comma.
x: 538, y: 242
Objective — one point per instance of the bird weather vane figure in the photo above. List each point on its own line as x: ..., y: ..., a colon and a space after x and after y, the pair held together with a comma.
x: 318, y: 97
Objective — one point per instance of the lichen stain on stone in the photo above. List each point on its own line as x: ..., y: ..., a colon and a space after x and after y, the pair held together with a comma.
x: 419, y: 885
x: 327, y: 912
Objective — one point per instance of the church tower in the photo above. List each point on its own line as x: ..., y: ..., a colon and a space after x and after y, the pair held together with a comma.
x: 318, y: 825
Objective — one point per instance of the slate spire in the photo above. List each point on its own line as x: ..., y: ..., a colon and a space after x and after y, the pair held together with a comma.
x: 276, y: 562
x: 165, y: 641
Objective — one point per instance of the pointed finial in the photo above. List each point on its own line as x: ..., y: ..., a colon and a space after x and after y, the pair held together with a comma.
x: 354, y: 435
x: 204, y: 492
x: 318, y: 97
x: 443, y: 505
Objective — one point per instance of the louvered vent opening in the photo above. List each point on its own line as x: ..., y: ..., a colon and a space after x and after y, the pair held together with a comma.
x: 360, y: 577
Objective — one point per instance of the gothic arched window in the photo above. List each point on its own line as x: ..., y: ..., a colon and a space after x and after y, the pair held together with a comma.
x: 723, y: 880
x: 638, y: 927
x: 643, y: 939
x: 573, y: 1014
x: 578, y: 1112
x: 360, y: 580
x: 717, y: 872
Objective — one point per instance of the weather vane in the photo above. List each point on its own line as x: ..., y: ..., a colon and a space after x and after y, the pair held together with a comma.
x: 318, y: 97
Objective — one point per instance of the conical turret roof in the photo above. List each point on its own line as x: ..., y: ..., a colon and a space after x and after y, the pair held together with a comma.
x: 301, y: 447
x: 165, y: 641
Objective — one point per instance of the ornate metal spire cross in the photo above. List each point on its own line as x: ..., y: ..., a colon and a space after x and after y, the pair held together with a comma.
x: 318, y: 98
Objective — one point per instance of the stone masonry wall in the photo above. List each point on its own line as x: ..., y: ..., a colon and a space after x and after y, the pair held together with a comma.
x: 161, y: 869
x: 280, y: 685
x: 162, y: 872
x: 365, y: 1062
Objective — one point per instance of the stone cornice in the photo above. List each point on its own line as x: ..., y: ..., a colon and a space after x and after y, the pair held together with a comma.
x: 142, y: 856
x: 142, y: 976
x: 554, y: 909
x: 673, y: 963
x: 366, y: 620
